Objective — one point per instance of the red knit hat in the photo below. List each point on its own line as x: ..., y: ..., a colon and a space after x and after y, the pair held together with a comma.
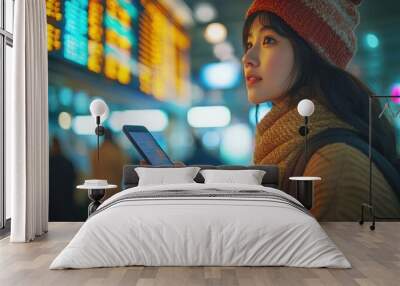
x: 327, y: 25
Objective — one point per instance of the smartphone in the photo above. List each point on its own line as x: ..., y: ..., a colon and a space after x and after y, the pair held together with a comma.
x: 146, y: 145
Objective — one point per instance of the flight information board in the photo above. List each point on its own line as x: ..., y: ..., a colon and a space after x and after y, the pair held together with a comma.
x: 136, y: 43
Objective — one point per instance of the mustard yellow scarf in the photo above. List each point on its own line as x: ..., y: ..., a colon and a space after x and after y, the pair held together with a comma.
x: 277, y: 136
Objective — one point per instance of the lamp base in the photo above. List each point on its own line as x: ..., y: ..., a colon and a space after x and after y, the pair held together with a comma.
x: 305, y: 193
x: 95, y: 195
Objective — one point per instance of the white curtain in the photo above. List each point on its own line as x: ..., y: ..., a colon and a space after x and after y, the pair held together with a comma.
x: 27, y: 123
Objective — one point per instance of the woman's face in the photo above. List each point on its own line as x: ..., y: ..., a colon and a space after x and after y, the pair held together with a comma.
x: 268, y: 63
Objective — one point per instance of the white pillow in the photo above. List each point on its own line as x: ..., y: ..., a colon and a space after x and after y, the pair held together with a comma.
x: 248, y: 177
x: 164, y: 176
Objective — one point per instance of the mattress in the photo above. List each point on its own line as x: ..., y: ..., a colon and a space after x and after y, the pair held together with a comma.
x: 201, y: 225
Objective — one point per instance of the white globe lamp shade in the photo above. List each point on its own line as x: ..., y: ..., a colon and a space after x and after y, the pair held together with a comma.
x: 305, y: 107
x: 98, y: 107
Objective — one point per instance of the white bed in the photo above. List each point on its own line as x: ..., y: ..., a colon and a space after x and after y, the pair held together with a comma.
x: 185, y: 230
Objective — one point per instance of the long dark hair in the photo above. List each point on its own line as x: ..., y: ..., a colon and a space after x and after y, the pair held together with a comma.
x: 342, y: 93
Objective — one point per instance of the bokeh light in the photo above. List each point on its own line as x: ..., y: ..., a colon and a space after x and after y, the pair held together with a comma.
x: 81, y: 102
x: 204, y: 12
x: 84, y: 125
x: 372, y: 40
x: 65, y: 96
x: 223, y: 75
x: 215, y: 33
x: 65, y: 120
x: 224, y: 51
x: 153, y: 119
x: 236, y: 145
x: 209, y: 116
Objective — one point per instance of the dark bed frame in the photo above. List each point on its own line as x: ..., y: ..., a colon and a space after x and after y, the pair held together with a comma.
x: 130, y: 178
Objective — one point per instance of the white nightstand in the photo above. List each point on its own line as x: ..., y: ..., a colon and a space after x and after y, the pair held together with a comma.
x: 305, y: 189
x: 95, y: 193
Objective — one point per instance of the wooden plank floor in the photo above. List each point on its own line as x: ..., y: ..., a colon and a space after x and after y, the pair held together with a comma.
x: 375, y: 257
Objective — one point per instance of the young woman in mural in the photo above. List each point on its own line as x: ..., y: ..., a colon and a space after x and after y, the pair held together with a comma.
x: 296, y: 49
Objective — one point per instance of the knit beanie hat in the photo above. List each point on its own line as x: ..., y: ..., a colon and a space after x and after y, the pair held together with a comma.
x: 327, y: 25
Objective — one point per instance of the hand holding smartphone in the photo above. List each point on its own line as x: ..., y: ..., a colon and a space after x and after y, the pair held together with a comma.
x: 147, y: 145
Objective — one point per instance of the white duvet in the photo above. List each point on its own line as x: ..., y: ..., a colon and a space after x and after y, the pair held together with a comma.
x: 200, y: 231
